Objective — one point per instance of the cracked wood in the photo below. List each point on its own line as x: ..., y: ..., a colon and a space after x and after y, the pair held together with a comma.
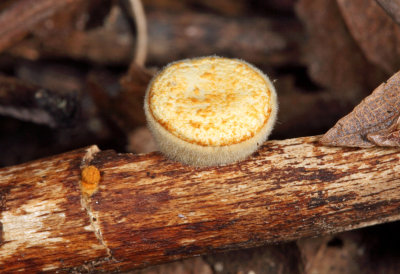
x: 150, y: 210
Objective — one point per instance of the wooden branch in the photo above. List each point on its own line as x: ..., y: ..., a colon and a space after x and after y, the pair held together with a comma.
x: 141, y: 28
x: 150, y: 210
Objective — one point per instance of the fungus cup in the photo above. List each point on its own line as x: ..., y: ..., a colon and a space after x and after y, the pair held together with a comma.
x: 210, y: 110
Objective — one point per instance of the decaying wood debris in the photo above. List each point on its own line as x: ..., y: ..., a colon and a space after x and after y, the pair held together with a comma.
x: 26, y: 101
x: 150, y: 210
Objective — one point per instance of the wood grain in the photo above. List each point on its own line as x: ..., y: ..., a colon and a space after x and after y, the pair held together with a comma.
x: 150, y: 210
x: 43, y: 224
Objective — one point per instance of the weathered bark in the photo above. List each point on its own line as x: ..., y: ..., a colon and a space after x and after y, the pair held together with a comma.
x: 150, y: 210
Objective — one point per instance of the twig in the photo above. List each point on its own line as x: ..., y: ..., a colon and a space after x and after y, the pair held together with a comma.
x: 141, y: 27
x: 150, y: 210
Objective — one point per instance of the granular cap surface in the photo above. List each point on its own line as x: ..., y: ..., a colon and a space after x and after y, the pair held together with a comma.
x: 211, y: 102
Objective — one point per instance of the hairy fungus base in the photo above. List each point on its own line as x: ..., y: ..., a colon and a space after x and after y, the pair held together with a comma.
x: 211, y: 110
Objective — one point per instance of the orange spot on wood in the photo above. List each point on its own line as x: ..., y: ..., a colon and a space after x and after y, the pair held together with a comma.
x: 91, y: 175
x: 90, y: 180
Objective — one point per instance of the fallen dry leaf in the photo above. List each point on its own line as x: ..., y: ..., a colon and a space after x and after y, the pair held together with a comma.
x: 372, y: 122
x: 387, y: 137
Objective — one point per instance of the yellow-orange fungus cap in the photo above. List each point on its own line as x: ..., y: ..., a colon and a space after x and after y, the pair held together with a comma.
x: 210, y: 102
